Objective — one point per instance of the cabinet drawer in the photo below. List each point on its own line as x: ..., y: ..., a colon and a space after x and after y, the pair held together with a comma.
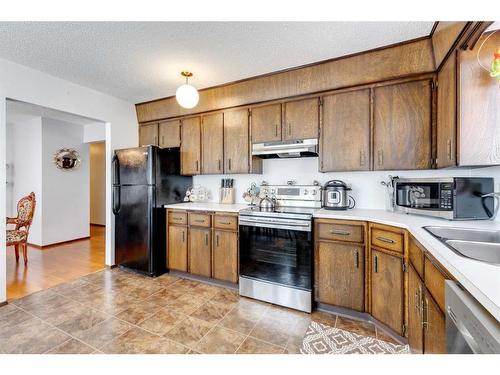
x: 177, y: 217
x: 229, y: 222
x: 340, y: 232
x: 387, y: 240
x: 434, y: 282
x: 416, y: 255
x: 199, y: 220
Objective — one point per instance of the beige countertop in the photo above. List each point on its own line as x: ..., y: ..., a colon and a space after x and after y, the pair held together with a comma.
x: 482, y: 280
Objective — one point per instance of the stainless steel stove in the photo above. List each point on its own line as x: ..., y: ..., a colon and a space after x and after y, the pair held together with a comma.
x: 276, y: 246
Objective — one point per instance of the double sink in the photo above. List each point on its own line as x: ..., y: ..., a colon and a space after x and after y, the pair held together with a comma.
x: 478, y: 244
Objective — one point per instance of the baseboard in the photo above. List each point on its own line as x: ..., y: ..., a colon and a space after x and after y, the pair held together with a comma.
x: 203, y: 279
x: 111, y: 267
x: 97, y: 225
x: 44, y: 247
x: 4, y: 303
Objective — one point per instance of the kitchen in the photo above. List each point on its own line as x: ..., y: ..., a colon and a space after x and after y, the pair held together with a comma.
x: 341, y: 204
x: 306, y: 246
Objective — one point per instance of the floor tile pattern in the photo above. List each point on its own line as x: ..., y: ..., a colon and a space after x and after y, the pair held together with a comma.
x: 116, y: 311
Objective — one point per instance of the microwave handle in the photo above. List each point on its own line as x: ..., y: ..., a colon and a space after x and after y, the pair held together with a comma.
x: 496, y: 197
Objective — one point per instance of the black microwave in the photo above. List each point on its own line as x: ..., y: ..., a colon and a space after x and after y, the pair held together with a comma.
x: 452, y: 198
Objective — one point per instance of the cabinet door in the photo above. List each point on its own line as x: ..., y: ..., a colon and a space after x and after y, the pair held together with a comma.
x: 340, y: 274
x: 148, y: 135
x: 387, y: 290
x: 434, y: 327
x: 402, y: 126
x: 177, y: 248
x: 415, y: 310
x: 225, y: 256
x: 301, y: 119
x: 236, y: 143
x: 170, y: 133
x: 200, y: 252
x: 266, y: 123
x: 212, y: 138
x: 345, y: 133
x: 191, y: 146
x: 446, y: 114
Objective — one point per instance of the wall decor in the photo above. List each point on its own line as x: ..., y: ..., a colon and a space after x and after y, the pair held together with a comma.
x: 67, y: 159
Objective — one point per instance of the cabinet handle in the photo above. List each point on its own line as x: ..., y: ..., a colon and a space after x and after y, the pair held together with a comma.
x: 206, y: 239
x: 357, y: 259
x: 448, y: 146
x: 225, y: 222
x: 219, y: 165
x: 380, y: 157
x: 197, y: 165
x: 361, y: 158
x: 385, y: 239
x: 199, y: 221
x: 425, y: 312
x: 177, y: 218
x: 162, y: 140
x: 375, y: 263
x: 183, y: 236
x: 276, y: 129
x: 340, y: 232
x: 229, y: 164
x: 289, y: 129
x: 154, y: 140
x: 217, y: 240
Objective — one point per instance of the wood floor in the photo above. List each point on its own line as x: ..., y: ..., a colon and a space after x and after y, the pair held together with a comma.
x: 55, y: 265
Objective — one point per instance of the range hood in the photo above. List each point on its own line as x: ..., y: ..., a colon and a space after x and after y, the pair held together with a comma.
x: 286, y: 149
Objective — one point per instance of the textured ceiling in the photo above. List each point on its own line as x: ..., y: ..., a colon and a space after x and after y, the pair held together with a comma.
x: 139, y: 61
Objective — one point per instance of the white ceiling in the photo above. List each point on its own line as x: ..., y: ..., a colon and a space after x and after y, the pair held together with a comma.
x: 139, y: 61
x: 20, y: 111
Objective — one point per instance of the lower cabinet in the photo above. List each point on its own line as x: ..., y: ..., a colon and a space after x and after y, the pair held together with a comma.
x: 415, y: 311
x: 206, y: 245
x: 200, y: 251
x: 387, y: 279
x: 434, y: 325
x: 340, y: 274
x: 225, y: 256
x: 177, y: 255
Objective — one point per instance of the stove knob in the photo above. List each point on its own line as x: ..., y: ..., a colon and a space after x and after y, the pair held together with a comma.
x: 313, y: 192
x: 305, y: 192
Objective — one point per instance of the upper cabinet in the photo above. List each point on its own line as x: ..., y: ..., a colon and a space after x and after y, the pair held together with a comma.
x: 191, y: 146
x: 169, y: 134
x: 236, y: 141
x: 301, y: 119
x: 266, y: 123
x: 345, y: 133
x: 212, y: 143
x: 402, y: 126
x: 148, y: 135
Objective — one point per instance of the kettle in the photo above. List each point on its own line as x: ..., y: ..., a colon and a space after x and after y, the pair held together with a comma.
x: 335, y: 196
x: 267, y: 203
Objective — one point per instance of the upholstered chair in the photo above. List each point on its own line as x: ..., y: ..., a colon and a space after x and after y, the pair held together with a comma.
x: 18, y: 237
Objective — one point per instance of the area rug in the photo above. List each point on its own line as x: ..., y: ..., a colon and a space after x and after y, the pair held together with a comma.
x: 323, y: 339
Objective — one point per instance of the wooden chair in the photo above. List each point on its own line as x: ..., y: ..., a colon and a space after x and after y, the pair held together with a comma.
x: 18, y: 237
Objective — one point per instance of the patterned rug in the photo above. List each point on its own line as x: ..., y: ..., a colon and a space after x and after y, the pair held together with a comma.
x: 323, y: 339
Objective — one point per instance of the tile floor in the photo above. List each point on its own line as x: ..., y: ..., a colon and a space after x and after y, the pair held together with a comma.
x: 114, y: 311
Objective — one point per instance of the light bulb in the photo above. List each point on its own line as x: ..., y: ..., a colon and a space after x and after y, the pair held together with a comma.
x: 187, y: 96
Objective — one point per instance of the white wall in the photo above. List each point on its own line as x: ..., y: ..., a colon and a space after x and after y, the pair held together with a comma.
x: 24, y: 157
x: 65, y: 194
x: 25, y: 84
x: 97, y: 153
x: 366, y: 187
x: 94, y: 133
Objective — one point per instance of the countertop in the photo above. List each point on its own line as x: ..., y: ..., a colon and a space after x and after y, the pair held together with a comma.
x: 482, y: 280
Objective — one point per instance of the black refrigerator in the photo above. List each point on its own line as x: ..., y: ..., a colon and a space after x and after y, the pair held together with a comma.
x: 145, y: 179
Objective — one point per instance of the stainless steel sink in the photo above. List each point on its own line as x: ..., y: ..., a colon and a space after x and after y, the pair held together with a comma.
x: 478, y: 244
x: 465, y: 234
x: 483, y: 251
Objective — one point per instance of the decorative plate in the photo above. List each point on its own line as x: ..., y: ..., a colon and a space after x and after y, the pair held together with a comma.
x: 67, y: 159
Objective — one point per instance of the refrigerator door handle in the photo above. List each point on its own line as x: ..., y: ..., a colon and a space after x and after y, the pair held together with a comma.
x: 116, y: 170
x: 117, y: 203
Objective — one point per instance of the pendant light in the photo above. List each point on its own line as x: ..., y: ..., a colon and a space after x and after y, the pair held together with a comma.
x: 187, y: 96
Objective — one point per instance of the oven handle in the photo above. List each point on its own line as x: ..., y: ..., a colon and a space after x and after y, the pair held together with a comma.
x: 276, y: 223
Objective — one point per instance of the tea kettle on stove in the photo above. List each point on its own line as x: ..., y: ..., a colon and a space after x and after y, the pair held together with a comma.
x: 335, y: 196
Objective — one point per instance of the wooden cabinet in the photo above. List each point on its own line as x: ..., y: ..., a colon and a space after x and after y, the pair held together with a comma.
x: 212, y: 144
x: 266, y: 123
x: 177, y: 248
x: 236, y: 142
x: 169, y: 133
x: 415, y: 311
x: 301, y: 119
x: 191, y: 146
x: 345, y: 132
x: 434, y: 326
x: 340, y: 279
x: 200, y: 251
x: 339, y: 231
x: 387, y: 237
x: 148, y: 135
x: 402, y: 126
x: 387, y: 289
x: 225, y: 256
x: 446, y: 114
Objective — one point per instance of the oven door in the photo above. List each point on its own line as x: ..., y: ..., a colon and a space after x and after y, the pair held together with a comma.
x: 277, y: 253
